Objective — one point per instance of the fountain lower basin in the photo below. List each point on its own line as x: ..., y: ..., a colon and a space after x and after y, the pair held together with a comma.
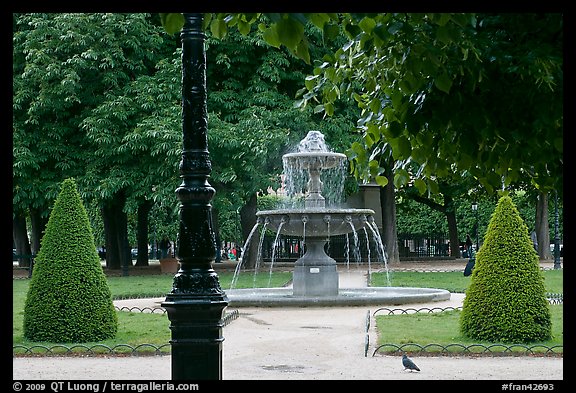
x: 315, y: 272
x: 315, y: 222
x: 370, y: 296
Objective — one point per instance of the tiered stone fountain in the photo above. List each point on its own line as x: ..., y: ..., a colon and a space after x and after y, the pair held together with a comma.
x: 315, y: 276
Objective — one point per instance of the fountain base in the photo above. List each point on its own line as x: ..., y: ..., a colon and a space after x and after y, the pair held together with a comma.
x: 309, y: 280
x: 315, y: 272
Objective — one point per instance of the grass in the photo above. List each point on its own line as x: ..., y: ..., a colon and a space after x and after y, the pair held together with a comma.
x: 140, y: 329
x: 133, y: 328
x: 439, y: 330
x: 160, y: 285
x: 453, y: 281
x: 429, y: 329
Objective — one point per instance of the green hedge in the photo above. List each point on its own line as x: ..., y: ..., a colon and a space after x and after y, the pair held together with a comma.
x: 68, y: 299
x: 506, y: 300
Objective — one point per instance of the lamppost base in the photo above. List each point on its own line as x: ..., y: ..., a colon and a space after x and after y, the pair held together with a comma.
x: 196, y: 325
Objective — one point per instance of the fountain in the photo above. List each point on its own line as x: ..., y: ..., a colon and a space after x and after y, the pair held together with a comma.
x: 315, y: 277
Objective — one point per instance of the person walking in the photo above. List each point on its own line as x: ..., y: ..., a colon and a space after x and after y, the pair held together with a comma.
x: 534, y: 239
x: 468, y: 247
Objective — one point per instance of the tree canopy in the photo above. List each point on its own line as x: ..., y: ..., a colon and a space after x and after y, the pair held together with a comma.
x: 454, y: 93
x: 65, y: 66
x: 437, y: 96
x: 117, y: 128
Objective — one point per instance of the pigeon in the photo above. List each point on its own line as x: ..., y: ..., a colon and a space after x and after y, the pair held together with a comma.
x: 408, y: 363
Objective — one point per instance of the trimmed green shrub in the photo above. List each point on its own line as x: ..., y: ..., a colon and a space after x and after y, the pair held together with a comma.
x: 506, y: 300
x: 68, y: 298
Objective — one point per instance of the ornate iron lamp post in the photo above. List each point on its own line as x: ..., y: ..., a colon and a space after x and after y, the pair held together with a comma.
x: 475, y: 209
x: 196, y: 304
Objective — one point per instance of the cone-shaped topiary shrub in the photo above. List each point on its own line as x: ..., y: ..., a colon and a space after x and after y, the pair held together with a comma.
x: 69, y: 299
x: 506, y: 300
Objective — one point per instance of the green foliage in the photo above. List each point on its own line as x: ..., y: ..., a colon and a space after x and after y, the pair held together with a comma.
x: 506, y: 300
x: 409, y: 72
x: 417, y: 218
x: 73, y: 105
x: 68, y: 299
x: 172, y: 22
x: 270, y: 202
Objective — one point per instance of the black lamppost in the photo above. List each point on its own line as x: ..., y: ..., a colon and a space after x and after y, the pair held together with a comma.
x: 475, y: 209
x: 196, y: 303
x: 556, y: 238
x: 154, y: 254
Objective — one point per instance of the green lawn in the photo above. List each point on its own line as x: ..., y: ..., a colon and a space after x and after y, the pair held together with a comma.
x: 453, y: 281
x: 427, y: 329
x: 438, y: 330
x: 160, y: 285
x: 137, y: 329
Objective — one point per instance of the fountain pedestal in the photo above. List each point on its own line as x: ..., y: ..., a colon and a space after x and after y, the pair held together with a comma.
x: 315, y: 272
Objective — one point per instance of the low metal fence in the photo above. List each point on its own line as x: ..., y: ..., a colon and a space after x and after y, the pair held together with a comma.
x: 459, y: 349
x: 145, y: 349
x: 423, y: 246
x: 472, y: 349
x: 350, y: 248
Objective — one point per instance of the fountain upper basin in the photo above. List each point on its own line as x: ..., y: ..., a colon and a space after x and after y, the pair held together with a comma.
x: 313, y: 159
x: 320, y: 222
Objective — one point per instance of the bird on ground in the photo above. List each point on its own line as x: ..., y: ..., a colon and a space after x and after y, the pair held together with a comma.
x: 408, y: 363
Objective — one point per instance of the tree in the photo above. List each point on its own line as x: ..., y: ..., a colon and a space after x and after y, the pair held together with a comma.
x: 69, y: 299
x: 506, y: 300
x: 407, y: 70
x: 65, y: 66
x: 443, y: 203
x: 135, y: 159
x: 404, y: 68
x: 126, y: 121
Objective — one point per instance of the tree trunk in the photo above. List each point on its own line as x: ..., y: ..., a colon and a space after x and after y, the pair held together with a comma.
x: 542, y: 228
x: 389, y: 231
x: 142, y: 232
x: 20, y: 236
x: 450, y: 213
x: 112, y: 261
x: 38, y: 224
x: 247, y: 222
x: 116, y: 233
x: 122, y: 233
